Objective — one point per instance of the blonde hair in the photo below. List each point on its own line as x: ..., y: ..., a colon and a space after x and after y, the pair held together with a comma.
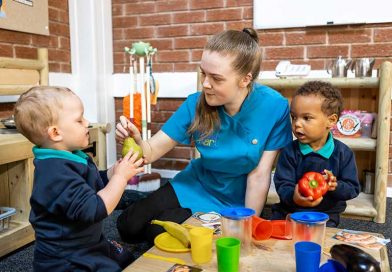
x: 243, y: 45
x: 37, y: 109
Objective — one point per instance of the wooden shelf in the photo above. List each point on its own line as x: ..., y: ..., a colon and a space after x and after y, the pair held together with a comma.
x: 18, y: 234
x: 289, y: 83
x: 360, y: 144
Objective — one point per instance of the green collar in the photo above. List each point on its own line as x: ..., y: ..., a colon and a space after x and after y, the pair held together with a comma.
x: 47, y: 153
x: 325, y: 151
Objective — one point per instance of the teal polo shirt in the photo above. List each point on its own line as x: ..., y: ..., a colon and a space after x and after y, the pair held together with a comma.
x: 218, y: 178
x: 326, y: 151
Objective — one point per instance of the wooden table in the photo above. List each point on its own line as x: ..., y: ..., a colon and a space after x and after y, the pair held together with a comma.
x: 268, y: 255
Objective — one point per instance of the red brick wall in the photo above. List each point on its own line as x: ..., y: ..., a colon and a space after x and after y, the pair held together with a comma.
x: 24, y: 45
x: 180, y: 28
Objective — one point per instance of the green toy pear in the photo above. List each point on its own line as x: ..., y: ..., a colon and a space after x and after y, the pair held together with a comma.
x: 130, y: 144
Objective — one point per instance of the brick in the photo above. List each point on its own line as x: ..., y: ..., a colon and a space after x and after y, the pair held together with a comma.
x: 374, y: 50
x: 160, y: 116
x: 206, y: 4
x: 139, y: 33
x: 118, y: 34
x: 140, y: 8
x: 6, y: 51
x: 268, y: 65
x: 60, y: 4
x: 59, y: 29
x: 65, y: 43
x: 170, y: 104
x: 270, y: 39
x: 155, y: 19
x: 389, y: 180
x: 119, y: 58
x: 350, y: 36
x: 191, y: 42
x: 189, y: 17
x: 162, y: 44
x: 54, y: 14
x: 172, y: 31
x: 65, y: 68
x: 231, y: 14
x: 118, y: 10
x: 174, y: 56
x: 305, y: 37
x: 124, y: 22
x: 284, y: 53
x: 25, y: 52
x: 206, y: 29
x: 186, y: 67
x: 14, y: 37
x: 118, y: 68
x: 327, y: 51
x: 383, y: 35
x: 163, y: 67
x: 59, y: 55
x: 239, y: 25
x: 238, y: 3
x: 54, y: 67
x: 171, y: 5
x: 317, y: 64
x: 196, y: 55
x: 118, y: 46
x: 247, y: 13
x: 64, y: 17
x: 44, y: 41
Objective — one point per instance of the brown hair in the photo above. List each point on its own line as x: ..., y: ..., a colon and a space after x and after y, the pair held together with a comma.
x: 37, y: 109
x: 243, y: 45
x: 333, y: 101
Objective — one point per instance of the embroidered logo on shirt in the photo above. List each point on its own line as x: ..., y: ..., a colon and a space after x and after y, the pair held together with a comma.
x: 210, y: 141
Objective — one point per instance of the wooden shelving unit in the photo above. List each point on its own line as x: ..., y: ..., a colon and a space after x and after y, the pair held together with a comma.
x: 373, y: 95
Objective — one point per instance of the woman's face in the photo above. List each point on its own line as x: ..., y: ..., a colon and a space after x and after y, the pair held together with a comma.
x: 221, y: 84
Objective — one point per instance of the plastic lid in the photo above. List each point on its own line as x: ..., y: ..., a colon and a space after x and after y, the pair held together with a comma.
x: 332, y: 266
x: 309, y: 217
x: 237, y: 213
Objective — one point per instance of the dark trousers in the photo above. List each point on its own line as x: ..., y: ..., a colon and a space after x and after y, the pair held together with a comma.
x: 134, y: 222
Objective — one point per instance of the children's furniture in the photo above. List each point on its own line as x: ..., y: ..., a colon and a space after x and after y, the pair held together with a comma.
x: 16, y: 158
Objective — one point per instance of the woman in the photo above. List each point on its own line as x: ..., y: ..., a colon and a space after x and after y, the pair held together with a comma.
x: 237, y: 125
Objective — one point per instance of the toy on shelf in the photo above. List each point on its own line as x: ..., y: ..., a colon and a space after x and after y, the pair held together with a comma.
x: 354, y: 124
x: 143, y: 93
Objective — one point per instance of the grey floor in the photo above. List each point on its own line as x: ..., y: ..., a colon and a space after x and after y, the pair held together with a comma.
x: 21, y: 260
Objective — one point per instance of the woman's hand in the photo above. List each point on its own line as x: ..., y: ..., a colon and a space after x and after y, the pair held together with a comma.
x: 125, y: 128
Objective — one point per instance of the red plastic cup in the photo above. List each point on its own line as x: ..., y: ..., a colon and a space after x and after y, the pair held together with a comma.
x: 261, y: 228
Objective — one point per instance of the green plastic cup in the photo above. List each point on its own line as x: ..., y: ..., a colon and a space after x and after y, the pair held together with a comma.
x: 228, y: 254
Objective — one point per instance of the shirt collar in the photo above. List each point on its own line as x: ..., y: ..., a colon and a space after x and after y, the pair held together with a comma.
x: 46, y: 153
x: 326, y: 151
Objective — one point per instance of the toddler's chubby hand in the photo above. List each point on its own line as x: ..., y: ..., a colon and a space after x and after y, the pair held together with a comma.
x: 331, y: 179
x: 305, y: 201
x: 128, y: 166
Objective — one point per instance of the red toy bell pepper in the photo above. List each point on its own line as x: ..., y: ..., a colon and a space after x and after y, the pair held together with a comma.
x: 313, y: 184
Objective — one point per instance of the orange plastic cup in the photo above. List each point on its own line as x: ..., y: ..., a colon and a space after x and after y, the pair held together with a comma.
x: 261, y: 228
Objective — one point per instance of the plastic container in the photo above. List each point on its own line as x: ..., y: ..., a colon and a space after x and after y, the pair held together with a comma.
x: 366, y: 125
x: 308, y: 226
x: 237, y: 222
x: 5, y: 217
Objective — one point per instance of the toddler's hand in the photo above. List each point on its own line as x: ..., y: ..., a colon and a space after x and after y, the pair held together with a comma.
x: 331, y: 179
x: 128, y: 166
x: 305, y: 201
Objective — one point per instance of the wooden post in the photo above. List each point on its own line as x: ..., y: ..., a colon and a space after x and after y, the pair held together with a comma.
x: 43, y: 72
x: 383, y: 126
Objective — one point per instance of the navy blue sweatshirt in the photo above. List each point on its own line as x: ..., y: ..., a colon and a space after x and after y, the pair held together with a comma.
x: 293, y: 164
x: 66, y: 212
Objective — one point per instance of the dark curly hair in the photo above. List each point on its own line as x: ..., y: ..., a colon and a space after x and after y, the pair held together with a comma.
x: 333, y: 101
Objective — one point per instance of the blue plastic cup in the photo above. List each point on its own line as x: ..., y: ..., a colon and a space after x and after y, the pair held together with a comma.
x: 307, y: 256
